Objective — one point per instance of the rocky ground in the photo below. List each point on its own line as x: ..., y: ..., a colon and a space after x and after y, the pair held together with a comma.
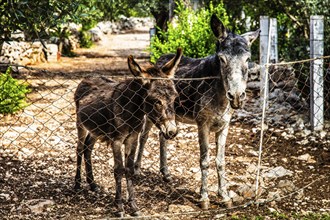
x: 37, y: 153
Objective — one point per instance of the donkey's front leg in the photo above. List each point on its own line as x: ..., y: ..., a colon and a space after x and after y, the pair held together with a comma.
x: 220, y: 138
x: 203, y: 138
x: 163, y: 158
x: 142, y: 142
x: 119, y: 171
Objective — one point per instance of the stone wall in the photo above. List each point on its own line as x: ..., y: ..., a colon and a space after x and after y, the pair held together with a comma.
x: 27, y: 53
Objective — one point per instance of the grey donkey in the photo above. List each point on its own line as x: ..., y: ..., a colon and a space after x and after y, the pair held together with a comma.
x: 209, y: 103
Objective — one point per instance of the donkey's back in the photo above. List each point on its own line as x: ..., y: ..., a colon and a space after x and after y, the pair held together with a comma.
x: 188, y: 67
x: 94, y: 98
x: 90, y: 88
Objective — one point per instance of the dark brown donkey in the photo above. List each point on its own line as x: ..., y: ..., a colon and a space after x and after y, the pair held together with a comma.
x: 209, y: 103
x: 114, y: 112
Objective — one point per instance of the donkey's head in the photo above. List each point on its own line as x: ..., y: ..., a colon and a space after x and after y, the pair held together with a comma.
x: 159, y: 102
x: 234, y: 53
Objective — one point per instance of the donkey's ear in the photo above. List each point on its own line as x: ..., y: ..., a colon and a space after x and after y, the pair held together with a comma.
x: 134, y: 66
x: 251, y: 36
x: 170, y: 67
x: 219, y: 30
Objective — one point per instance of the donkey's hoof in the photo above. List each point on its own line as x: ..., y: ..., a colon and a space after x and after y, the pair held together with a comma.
x: 205, y: 204
x: 76, y: 187
x: 136, y: 213
x: 120, y: 214
x: 167, y: 178
x: 95, y: 188
x: 137, y: 171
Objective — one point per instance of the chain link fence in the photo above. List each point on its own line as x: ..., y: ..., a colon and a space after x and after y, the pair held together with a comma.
x: 38, y: 156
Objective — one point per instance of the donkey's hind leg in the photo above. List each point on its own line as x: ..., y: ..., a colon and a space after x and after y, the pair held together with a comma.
x: 119, y: 171
x: 88, y: 148
x: 80, y: 151
x: 221, y: 137
x: 130, y: 150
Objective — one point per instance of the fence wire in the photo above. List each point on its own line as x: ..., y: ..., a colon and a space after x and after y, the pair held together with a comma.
x: 38, y: 155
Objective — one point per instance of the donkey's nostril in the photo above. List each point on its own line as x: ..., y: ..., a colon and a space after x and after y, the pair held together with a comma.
x: 242, y: 96
x: 172, y: 133
x: 230, y: 96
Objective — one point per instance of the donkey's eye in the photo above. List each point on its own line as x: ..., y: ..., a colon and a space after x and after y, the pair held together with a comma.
x: 157, y: 103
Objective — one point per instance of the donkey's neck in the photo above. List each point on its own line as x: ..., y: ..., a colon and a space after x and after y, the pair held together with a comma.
x: 217, y: 85
x: 135, y: 92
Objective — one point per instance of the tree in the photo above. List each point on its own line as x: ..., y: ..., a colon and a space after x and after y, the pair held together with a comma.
x: 44, y: 18
x: 191, y: 31
x: 293, y: 19
x: 35, y: 18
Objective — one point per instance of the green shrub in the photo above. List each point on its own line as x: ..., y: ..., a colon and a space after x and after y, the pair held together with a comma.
x: 85, y: 40
x: 12, y: 93
x: 191, y: 31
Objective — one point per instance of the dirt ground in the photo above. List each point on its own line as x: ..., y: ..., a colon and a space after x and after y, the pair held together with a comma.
x: 37, y: 156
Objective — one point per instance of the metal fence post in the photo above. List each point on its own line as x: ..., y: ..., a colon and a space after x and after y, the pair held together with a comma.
x: 316, y: 72
x: 264, y: 27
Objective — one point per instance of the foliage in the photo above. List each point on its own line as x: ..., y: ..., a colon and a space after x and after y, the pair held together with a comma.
x: 12, y: 94
x: 190, y: 30
x: 42, y: 19
x: 89, y: 14
x: 283, y: 216
x: 85, y: 39
x: 138, y: 8
x: 35, y: 18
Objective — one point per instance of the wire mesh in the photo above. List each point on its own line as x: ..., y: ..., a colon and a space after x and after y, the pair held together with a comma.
x: 38, y: 158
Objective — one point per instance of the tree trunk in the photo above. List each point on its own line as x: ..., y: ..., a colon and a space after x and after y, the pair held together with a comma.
x: 161, y: 18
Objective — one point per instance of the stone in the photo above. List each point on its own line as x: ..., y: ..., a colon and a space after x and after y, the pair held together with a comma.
x: 276, y: 196
x: 52, y: 53
x: 304, y: 157
x: 272, y: 210
x: 174, y: 208
x: 235, y: 197
x: 246, y: 191
x: 194, y: 169
x: 35, y: 206
x: 4, y: 196
x: 286, y: 185
x: 277, y: 172
x: 252, y: 168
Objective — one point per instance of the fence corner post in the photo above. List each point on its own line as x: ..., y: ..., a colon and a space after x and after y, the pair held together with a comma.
x: 316, y: 72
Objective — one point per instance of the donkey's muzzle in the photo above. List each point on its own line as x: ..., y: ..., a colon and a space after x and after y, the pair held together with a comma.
x: 169, y: 129
x: 236, y: 100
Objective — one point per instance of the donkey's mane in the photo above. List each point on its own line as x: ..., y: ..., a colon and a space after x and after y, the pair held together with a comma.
x: 233, y: 44
x: 154, y: 71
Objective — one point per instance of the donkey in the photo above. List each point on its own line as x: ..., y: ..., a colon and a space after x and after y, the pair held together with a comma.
x: 114, y: 112
x: 209, y: 103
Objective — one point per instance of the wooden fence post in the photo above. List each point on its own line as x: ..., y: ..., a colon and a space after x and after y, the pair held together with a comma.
x: 316, y: 72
